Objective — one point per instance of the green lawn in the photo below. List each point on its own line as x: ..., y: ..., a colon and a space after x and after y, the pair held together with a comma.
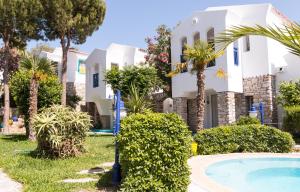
x: 44, y: 174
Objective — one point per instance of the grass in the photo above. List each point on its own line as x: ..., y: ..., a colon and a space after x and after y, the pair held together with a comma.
x: 38, y: 175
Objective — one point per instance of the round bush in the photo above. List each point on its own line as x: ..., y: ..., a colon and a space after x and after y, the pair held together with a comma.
x: 246, y: 138
x: 154, y: 149
x: 61, y: 131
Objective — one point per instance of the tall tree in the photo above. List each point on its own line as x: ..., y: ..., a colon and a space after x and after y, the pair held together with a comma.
x: 288, y: 35
x: 198, y: 56
x: 71, y: 21
x: 159, y: 55
x: 19, y: 23
x: 38, y: 68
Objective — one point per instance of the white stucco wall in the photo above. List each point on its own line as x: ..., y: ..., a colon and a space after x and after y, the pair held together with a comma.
x: 72, y: 66
x: 101, y: 60
x: 265, y: 55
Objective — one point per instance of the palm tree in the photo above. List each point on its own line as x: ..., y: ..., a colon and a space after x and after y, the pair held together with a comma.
x: 38, y: 68
x: 288, y: 35
x: 198, y: 56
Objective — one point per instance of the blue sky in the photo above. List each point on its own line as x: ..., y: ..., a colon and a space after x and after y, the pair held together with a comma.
x: 130, y: 21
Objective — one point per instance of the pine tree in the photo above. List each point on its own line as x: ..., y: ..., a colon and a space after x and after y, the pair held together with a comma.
x: 71, y: 21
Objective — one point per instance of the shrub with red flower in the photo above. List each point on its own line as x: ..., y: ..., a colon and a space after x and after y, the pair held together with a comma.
x: 158, y: 55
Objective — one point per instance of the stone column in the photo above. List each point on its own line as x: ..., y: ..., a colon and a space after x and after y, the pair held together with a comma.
x: 226, y: 108
x: 180, y: 107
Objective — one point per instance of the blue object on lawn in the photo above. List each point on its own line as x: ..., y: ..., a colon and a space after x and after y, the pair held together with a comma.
x: 116, y: 177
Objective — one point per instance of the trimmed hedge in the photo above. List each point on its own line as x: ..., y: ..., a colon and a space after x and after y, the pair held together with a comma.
x: 154, y: 149
x: 247, y: 138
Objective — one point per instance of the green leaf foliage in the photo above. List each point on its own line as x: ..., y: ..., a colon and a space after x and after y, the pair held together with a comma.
x: 61, y: 131
x: 247, y: 120
x: 291, y: 121
x: 74, y: 20
x: 49, y: 91
x: 154, y: 149
x: 20, y: 21
x: 245, y: 138
x: 144, y: 78
x: 289, y: 93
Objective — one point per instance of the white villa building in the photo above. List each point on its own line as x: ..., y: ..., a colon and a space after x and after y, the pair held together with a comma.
x: 76, y: 71
x: 99, y: 95
x: 254, y: 65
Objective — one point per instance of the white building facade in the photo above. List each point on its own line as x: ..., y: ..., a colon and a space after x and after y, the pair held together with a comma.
x: 254, y: 65
x: 99, y: 95
x: 76, y: 71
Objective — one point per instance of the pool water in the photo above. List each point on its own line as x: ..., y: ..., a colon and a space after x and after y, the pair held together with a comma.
x: 258, y: 174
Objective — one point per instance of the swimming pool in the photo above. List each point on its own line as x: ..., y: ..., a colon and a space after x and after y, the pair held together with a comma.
x: 257, y: 174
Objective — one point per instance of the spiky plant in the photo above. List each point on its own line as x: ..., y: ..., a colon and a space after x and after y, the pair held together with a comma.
x: 288, y: 35
x: 137, y: 102
x: 198, y: 56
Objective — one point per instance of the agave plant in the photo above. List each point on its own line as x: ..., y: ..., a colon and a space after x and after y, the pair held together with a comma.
x: 61, y: 131
x: 137, y: 102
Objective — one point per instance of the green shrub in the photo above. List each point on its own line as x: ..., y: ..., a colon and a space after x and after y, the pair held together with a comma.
x: 246, y: 120
x: 61, y: 131
x: 154, y: 149
x: 246, y: 138
x: 49, y: 91
x: 291, y: 121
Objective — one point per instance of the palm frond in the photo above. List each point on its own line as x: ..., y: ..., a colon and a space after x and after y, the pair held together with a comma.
x: 36, y: 65
x: 289, y: 35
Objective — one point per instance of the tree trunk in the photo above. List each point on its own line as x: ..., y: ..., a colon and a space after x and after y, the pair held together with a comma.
x: 200, y: 99
x: 65, y: 49
x: 6, y: 89
x: 33, y: 99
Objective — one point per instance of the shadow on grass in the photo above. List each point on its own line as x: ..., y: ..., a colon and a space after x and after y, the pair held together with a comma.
x: 105, y: 183
x: 14, y: 138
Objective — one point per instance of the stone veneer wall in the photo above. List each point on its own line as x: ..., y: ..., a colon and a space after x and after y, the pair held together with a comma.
x: 240, y: 105
x: 192, y: 114
x: 226, y: 108
x: 77, y: 89
x: 158, y: 99
x: 263, y: 89
x: 180, y: 107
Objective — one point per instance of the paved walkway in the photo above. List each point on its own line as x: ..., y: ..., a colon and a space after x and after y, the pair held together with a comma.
x: 8, y: 185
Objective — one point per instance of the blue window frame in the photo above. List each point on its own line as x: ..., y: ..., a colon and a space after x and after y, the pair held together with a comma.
x: 236, y: 56
x: 96, y: 80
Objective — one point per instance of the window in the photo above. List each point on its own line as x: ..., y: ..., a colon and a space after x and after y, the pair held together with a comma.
x: 236, y: 53
x: 81, y: 68
x: 96, y: 80
x: 196, y: 37
x: 114, y: 65
x: 182, y: 58
x: 210, y: 40
x: 247, y: 43
x: 249, y: 103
